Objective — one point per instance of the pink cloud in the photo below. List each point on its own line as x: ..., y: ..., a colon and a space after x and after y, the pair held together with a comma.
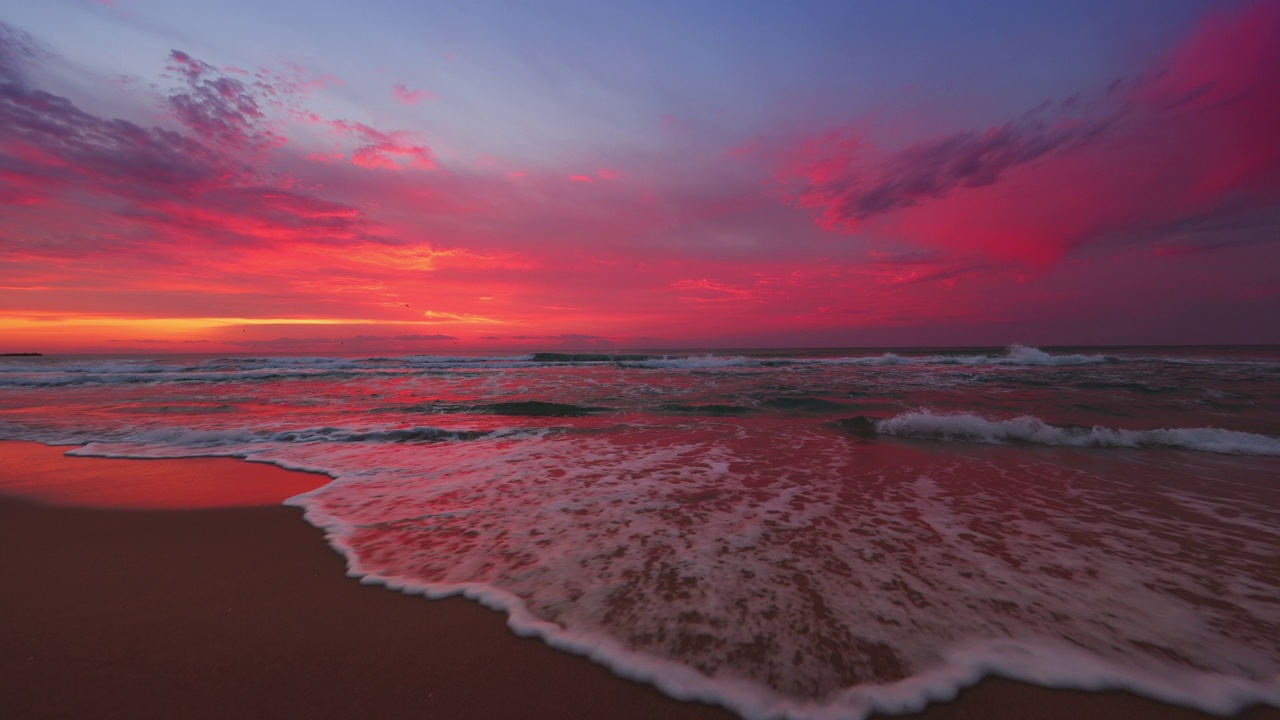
x: 1196, y: 139
x: 207, y: 215
x: 325, y: 157
x: 673, y: 126
x: 379, y: 149
x: 409, y: 97
x: 159, y: 183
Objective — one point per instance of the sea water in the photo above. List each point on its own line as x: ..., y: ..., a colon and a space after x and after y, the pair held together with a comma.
x: 808, y: 534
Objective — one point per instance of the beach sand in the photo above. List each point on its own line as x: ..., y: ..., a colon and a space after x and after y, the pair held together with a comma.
x: 244, y: 612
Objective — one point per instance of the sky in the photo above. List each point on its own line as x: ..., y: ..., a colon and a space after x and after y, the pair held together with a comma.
x: 423, y: 177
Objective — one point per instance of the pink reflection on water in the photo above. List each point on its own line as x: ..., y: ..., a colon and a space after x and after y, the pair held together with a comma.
x: 47, y: 475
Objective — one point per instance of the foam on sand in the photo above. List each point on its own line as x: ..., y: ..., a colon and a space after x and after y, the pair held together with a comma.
x: 778, y: 594
x: 711, y: 525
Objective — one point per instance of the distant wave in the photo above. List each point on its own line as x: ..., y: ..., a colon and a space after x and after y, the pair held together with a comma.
x: 712, y: 410
x: 558, y: 357
x: 695, y: 362
x: 190, y: 438
x: 974, y: 428
x: 1023, y: 355
x: 170, y: 376
x: 801, y: 404
x: 45, y: 373
x: 251, y: 369
x: 1016, y: 355
x: 539, y: 408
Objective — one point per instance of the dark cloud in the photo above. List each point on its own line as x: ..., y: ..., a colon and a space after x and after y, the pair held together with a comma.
x: 1193, y: 141
x: 18, y: 51
x: 51, y: 139
x: 218, y: 108
x: 186, y: 186
x: 936, y: 168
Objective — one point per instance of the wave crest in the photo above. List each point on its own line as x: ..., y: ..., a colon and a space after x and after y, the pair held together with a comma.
x: 1025, y: 428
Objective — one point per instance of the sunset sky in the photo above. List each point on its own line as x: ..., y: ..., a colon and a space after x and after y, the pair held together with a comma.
x: 398, y: 176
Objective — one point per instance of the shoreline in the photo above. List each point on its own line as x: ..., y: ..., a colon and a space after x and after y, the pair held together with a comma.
x: 246, y: 612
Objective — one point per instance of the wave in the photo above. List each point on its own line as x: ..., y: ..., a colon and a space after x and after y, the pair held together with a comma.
x: 1018, y: 355
x: 1123, y: 385
x: 713, y: 410
x: 695, y: 362
x: 975, y: 428
x: 539, y: 408
x: 204, y: 439
x: 47, y: 373
x: 320, y: 360
x: 63, y: 377
x: 239, y: 370
x: 559, y: 357
x: 1015, y: 355
x: 802, y: 404
x: 1047, y: 664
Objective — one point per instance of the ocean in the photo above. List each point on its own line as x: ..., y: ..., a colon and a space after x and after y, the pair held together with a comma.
x: 798, y: 533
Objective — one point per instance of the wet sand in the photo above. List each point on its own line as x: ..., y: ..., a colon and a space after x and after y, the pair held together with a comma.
x: 245, y: 612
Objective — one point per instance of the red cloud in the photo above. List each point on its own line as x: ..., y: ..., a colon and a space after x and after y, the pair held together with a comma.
x: 1196, y: 140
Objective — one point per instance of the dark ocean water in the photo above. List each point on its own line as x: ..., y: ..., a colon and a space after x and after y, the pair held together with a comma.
x: 820, y: 533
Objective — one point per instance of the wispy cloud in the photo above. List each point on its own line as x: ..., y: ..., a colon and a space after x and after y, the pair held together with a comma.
x: 409, y: 97
x: 1195, y: 136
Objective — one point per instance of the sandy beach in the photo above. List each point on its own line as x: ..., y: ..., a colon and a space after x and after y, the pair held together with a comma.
x: 239, y: 609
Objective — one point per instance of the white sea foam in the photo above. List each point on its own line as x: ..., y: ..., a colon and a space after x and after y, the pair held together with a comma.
x: 179, y: 438
x: 222, y: 370
x: 251, y: 369
x: 656, y: 561
x: 1025, y: 428
x: 885, y: 359
x: 763, y: 561
x: 693, y: 362
x: 1016, y: 355
x: 778, y: 593
x: 463, y: 359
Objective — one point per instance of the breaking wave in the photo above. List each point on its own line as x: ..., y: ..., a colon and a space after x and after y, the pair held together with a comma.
x: 975, y: 428
x: 258, y: 369
x: 185, y: 439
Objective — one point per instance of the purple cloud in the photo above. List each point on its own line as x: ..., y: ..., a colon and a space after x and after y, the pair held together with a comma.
x: 934, y: 169
x: 189, y: 187
x: 218, y: 108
